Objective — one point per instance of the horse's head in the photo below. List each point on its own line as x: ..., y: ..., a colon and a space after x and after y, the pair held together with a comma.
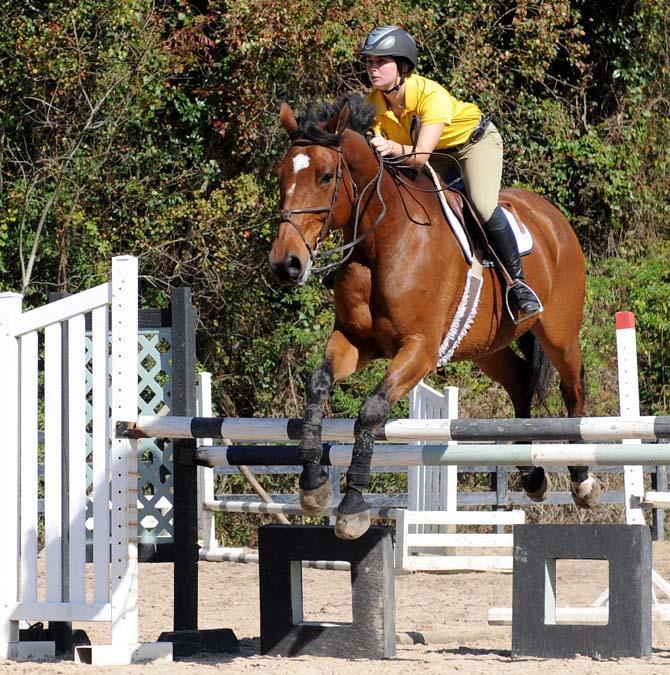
x: 317, y: 191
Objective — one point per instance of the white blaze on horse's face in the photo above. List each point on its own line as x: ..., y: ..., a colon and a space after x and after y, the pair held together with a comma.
x: 300, y: 162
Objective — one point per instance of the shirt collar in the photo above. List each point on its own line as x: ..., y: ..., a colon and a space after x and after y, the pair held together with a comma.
x: 411, y: 89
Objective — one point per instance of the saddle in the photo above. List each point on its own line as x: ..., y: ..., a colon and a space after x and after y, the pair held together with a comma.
x: 465, y: 223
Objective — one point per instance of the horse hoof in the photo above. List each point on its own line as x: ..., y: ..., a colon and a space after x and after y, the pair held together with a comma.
x: 352, y: 525
x: 586, y: 493
x: 539, y: 494
x: 317, y: 500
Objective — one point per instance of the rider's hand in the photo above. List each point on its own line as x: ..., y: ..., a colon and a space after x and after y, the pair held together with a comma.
x: 382, y: 145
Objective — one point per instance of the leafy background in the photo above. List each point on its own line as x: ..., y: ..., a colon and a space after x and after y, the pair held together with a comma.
x: 150, y: 128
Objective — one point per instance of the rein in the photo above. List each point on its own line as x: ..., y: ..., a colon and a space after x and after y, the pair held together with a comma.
x: 347, y: 249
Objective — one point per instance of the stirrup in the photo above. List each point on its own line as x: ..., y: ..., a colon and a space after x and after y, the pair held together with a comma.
x: 522, y: 317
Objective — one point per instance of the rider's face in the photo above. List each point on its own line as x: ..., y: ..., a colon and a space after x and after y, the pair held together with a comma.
x: 382, y: 71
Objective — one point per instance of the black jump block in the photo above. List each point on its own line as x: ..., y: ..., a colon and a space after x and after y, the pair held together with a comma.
x: 207, y: 641
x: 371, y: 634
x: 627, y: 548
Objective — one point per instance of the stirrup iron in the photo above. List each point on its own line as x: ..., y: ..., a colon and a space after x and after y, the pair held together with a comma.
x: 522, y: 317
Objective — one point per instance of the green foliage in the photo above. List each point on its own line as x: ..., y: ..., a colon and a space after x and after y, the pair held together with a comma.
x: 151, y: 128
x: 640, y: 284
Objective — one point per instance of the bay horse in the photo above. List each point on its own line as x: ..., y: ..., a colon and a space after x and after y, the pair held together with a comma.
x: 398, y: 290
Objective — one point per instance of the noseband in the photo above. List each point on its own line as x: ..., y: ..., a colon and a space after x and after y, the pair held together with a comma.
x: 287, y: 215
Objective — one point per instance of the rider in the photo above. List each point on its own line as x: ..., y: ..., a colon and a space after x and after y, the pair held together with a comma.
x: 451, y: 127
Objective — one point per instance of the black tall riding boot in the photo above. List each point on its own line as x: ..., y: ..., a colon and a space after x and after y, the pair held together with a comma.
x: 501, y: 237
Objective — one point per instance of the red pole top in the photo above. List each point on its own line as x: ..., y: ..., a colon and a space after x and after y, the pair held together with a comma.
x: 624, y: 320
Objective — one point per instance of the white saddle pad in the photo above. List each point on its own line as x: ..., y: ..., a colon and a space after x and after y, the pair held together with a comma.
x: 523, y: 236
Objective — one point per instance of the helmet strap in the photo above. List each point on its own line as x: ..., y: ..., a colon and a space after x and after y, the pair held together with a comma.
x: 400, y: 83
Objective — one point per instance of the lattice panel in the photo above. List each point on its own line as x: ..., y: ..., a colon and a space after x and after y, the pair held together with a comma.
x: 155, y: 456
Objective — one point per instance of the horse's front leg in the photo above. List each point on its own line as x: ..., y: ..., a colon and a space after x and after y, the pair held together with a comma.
x: 411, y: 363
x: 342, y: 359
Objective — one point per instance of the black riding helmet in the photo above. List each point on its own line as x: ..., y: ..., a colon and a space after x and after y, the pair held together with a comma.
x: 391, y: 41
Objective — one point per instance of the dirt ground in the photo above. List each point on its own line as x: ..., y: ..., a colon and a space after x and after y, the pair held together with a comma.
x: 450, y: 610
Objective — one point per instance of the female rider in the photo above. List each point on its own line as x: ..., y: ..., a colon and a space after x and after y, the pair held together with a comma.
x: 450, y: 127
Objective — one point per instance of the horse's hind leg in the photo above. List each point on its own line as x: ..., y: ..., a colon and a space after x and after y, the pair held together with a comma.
x: 342, y: 359
x: 511, y: 371
x: 412, y: 362
x: 565, y: 354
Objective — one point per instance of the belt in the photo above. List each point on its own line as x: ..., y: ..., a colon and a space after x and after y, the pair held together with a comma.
x: 479, y: 131
x: 475, y: 136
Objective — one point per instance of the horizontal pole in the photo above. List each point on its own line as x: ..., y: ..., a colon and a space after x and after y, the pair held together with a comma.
x: 226, y: 506
x: 581, y: 616
x: 575, y: 429
x: 540, y: 454
x: 463, y: 540
x: 457, y: 563
x: 222, y: 555
x: 658, y: 500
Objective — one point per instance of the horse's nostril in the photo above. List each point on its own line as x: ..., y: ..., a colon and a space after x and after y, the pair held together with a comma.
x: 293, y: 266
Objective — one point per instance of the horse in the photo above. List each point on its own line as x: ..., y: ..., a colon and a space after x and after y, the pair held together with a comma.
x: 398, y: 287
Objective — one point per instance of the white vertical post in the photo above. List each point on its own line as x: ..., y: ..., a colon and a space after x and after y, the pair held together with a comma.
x: 414, y: 473
x: 53, y: 448
x: 100, y: 493
x: 206, y: 519
x: 10, y: 311
x: 124, y: 452
x: 449, y: 477
x: 435, y: 409
x: 629, y: 402
x: 29, y: 462
x: 449, y: 487
x: 77, y: 461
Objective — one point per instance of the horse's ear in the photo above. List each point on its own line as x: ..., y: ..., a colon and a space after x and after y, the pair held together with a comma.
x: 338, y: 123
x: 287, y: 118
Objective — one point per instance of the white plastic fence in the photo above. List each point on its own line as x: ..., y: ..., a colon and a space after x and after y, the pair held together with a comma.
x: 112, y: 596
x: 427, y: 536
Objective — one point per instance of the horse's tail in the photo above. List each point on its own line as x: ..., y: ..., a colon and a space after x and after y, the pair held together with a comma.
x: 539, y: 368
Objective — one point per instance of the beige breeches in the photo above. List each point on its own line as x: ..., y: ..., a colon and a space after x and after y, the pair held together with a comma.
x: 480, y: 166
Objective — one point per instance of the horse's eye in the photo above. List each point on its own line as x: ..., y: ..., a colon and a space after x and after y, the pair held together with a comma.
x: 326, y: 178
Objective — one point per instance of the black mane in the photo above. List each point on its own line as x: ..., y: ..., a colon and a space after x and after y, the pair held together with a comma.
x: 317, y: 113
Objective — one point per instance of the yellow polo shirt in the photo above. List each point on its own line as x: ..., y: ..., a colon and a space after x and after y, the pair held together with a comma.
x: 433, y: 104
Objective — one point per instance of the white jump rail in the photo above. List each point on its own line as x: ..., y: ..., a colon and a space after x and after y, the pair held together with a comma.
x: 113, y: 597
x: 277, y: 430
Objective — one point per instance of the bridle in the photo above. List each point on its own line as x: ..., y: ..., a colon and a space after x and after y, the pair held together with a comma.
x: 347, y: 249
x: 287, y: 214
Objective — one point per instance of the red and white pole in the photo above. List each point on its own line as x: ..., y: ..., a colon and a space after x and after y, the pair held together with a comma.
x: 629, y: 403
